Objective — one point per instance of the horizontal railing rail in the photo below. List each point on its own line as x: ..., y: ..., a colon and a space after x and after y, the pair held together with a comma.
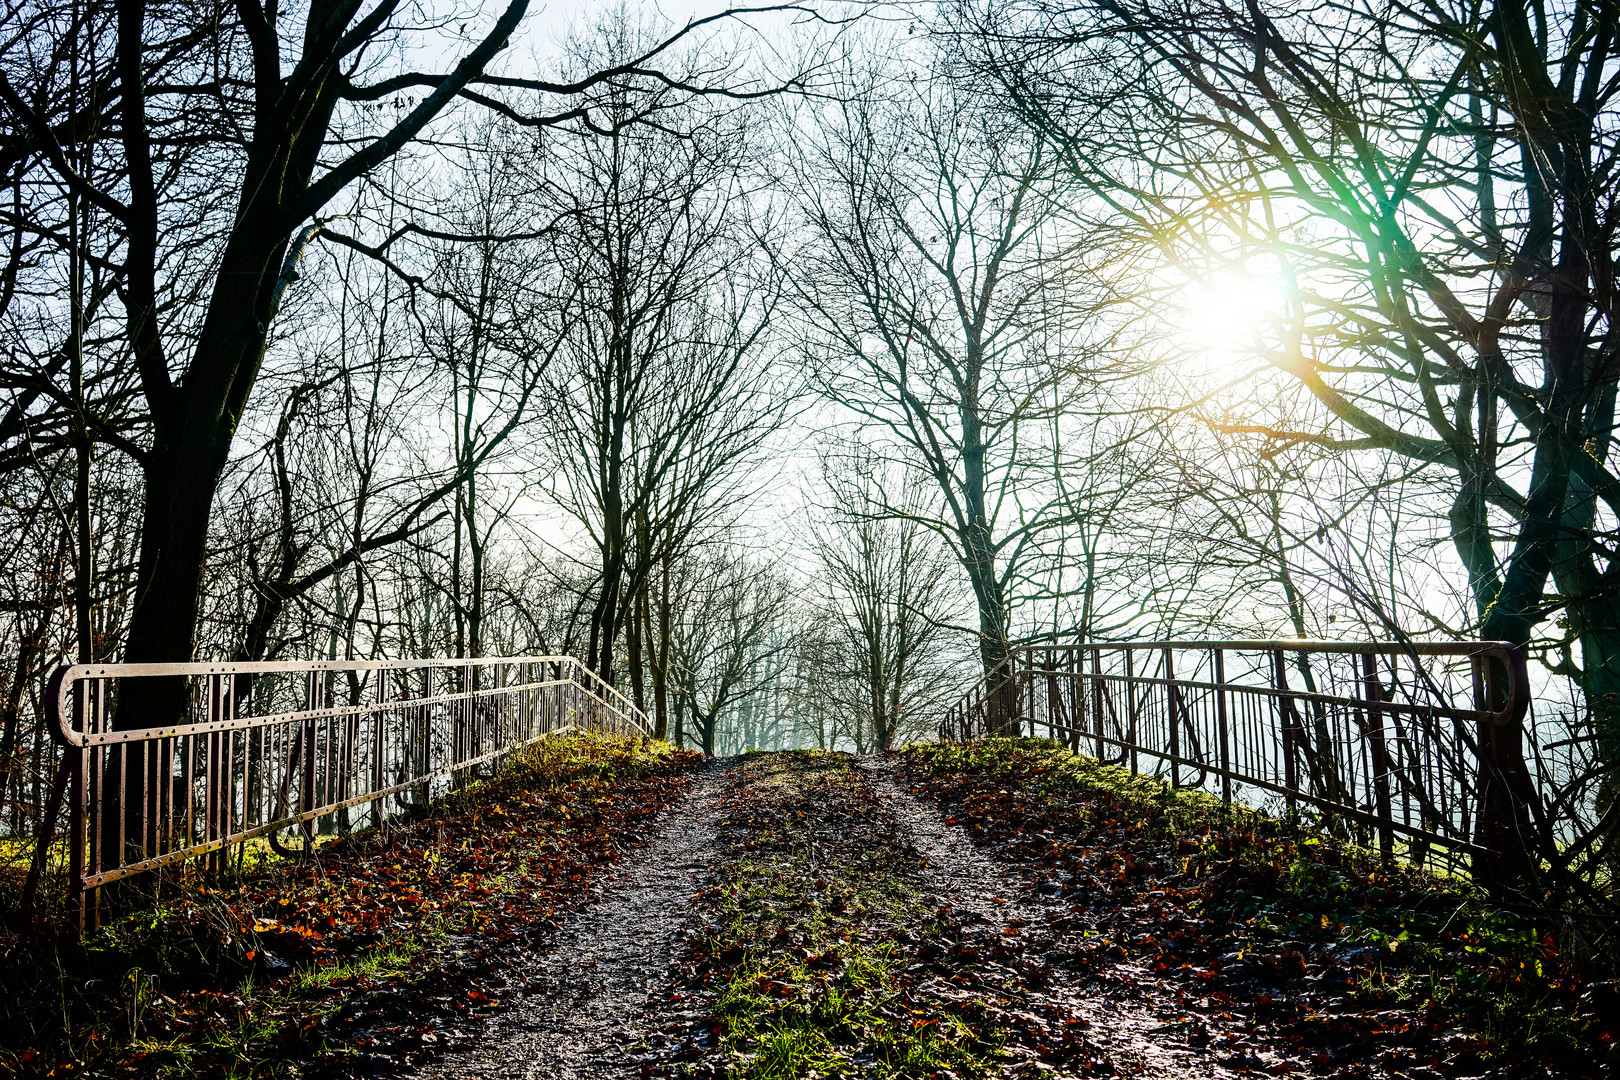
x: 1418, y: 744
x: 202, y: 758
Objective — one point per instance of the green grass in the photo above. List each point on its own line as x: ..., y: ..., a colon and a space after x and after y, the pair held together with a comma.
x: 810, y: 981
x: 388, y: 960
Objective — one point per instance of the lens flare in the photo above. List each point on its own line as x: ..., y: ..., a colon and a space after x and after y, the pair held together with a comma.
x: 1226, y: 315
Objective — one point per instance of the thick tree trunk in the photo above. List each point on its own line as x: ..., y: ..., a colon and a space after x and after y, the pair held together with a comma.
x: 192, y: 428
x: 875, y: 688
x: 995, y: 651
x: 979, y: 553
x: 604, y: 621
x: 633, y: 650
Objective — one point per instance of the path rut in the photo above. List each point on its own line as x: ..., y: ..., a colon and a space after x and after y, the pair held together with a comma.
x: 602, y: 985
x: 1129, y: 1032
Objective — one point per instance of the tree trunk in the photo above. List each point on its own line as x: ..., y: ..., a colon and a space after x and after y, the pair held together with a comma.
x: 660, y: 665
x: 192, y: 425
x: 633, y: 657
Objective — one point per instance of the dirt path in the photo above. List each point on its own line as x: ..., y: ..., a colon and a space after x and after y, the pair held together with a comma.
x: 1136, y: 1038
x: 828, y: 866
x: 592, y: 998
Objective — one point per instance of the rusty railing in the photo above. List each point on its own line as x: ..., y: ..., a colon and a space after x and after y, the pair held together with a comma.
x: 262, y: 749
x: 1418, y: 744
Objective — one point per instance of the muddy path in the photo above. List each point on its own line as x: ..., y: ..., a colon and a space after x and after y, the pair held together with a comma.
x: 586, y: 1005
x: 850, y: 930
x: 813, y: 915
x: 818, y: 878
x: 1137, y: 1032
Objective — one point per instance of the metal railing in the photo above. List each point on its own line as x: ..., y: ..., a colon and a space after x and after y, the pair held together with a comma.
x: 1419, y: 744
x: 259, y: 749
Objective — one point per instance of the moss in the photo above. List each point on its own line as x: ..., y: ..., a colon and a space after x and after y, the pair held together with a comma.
x: 806, y: 952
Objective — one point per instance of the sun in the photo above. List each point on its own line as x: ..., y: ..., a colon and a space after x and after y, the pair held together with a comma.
x: 1225, y: 315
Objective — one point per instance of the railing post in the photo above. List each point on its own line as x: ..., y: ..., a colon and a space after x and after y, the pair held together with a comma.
x: 462, y: 727
x: 1054, y: 701
x: 1374, y: 694
x: 1221, y: 722
x: 1285, y: 714
x: 211, y: 779
x: 229, y: 706
x: 348, y: 766
x: 91, y: 715
x: 1076, y: 698
x: 424, y: 721
x: 1097, y: 701
x: 76, y: 815
x: 1130, y: 704
x: 1172, y: 695
x: 379, y: 724
x: 306, y: 794
x: 477, y: 717
x: 1029, y: 681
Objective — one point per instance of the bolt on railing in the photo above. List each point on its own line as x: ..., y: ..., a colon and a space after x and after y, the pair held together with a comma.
x: 261, y: 749
x: 1419, y: 744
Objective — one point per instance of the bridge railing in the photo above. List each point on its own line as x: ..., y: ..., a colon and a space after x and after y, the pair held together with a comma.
x: 1419, y: 745
x: 255, y: 750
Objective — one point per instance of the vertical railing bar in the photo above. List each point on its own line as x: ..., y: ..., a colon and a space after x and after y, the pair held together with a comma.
x: 378, y: 722
x: 1130, y: 705
x: 77, y: 815
x: 1221, y: 721
x: 1380, y: 756
x: 212, y: 779
x: 1097, y: 700
x: 94, y: 762
x: 1172, y: 695
x: 312, y: 697
x: 1285, y: 713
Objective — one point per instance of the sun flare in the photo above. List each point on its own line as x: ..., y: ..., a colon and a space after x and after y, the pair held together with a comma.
x: 1225, y: 315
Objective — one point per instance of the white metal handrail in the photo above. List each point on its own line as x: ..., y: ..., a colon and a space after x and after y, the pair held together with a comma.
x: 255, y: 749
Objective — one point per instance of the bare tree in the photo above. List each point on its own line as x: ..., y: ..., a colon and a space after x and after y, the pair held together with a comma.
x: 662, y: 395
x: 884, y: 659
x: 926, y: 287
x: 728, y: 633
x: 1426, y: 189
x: 206, y: 149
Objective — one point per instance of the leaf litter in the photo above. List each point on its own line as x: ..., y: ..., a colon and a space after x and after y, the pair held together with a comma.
x: 1276, y: 949
x: 1003, y: 909
x: 387, y: 949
